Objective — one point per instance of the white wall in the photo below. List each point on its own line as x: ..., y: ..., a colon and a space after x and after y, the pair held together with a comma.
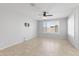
x: 31, y: 32
x: 76, y: 27
x: 73, y: 28
x: 62, y: 29
x: 12, y: 30
x: 71, y: 24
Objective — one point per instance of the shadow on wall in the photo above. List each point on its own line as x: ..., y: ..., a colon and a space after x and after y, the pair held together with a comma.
x: 73, y: 41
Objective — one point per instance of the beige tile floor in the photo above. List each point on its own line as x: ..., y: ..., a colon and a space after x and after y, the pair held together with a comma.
x: 42, y: 47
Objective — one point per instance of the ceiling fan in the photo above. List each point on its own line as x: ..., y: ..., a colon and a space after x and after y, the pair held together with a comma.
x: 45, y: 14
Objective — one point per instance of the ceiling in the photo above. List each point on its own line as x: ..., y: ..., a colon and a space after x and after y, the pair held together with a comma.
x: 34, y: 10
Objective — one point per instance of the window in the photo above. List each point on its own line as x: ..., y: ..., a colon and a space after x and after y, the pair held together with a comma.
x: 50, y: 26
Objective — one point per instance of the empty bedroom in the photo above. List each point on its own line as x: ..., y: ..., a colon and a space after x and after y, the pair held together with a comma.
x: 39, y: 29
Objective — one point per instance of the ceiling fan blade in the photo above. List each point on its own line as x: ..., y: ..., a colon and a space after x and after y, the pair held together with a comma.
x: 45, y: 14
x: 49, y: 15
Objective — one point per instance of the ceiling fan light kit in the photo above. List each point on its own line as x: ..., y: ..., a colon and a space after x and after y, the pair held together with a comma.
x: 45, y: 15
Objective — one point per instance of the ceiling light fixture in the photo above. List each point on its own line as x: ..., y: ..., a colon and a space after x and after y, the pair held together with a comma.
x: 45, y: 15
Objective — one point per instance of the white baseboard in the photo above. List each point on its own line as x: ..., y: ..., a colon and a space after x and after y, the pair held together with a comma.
x: 11, y: 44
x: 14, y: 43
